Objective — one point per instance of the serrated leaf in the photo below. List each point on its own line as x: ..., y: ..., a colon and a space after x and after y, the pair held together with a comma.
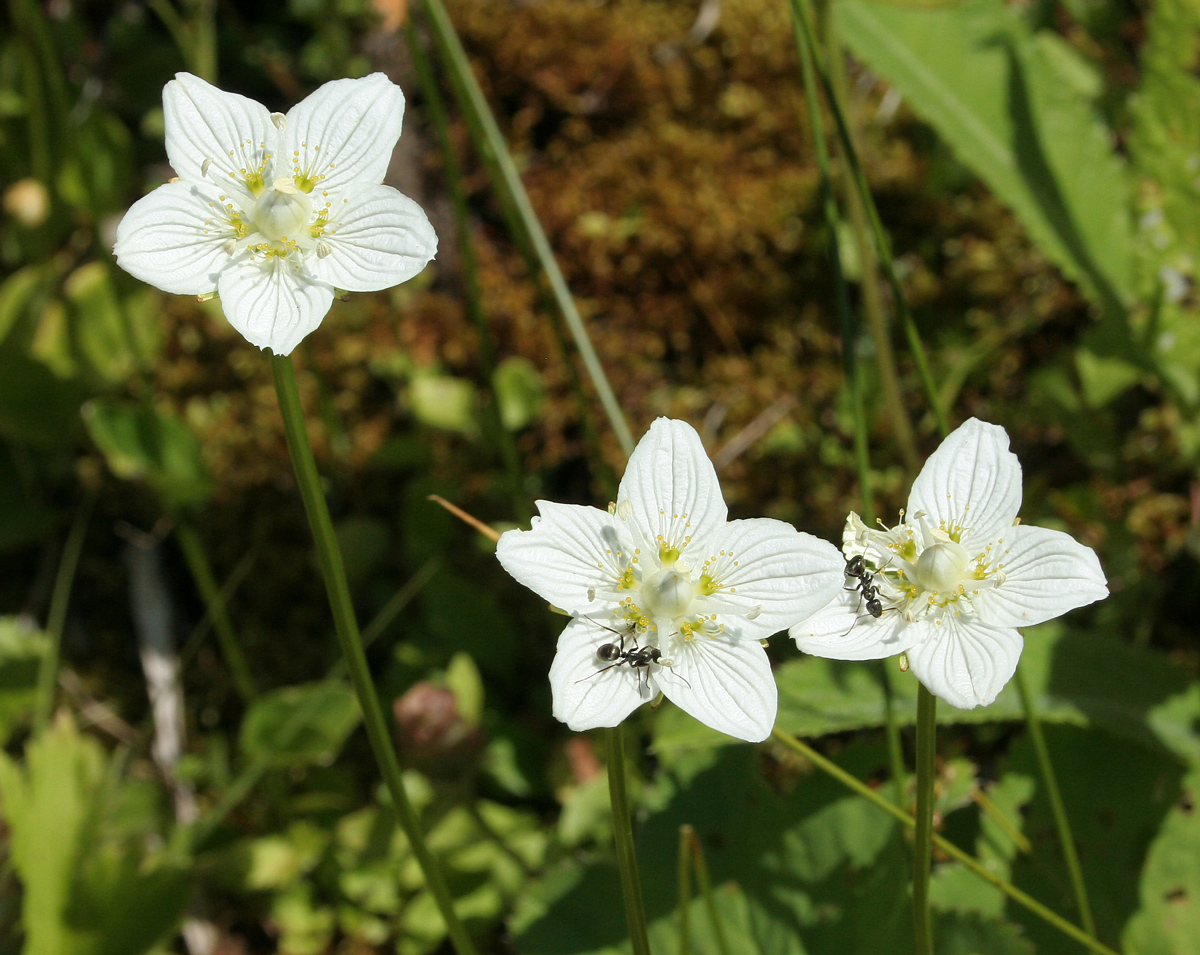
x: 300, y: 724
x: 1006, y: 103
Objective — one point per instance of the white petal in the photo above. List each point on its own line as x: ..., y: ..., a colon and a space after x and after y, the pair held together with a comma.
x: 375, y: 238
x: 587, y: 691
x: 344, y: 132
x: 843, y: 630
x: 272, y: 303
x: 670, y: 491
x: 964, y: 661
x: 1046, y: 573
x: 724, y: 683
x: 174, y: 237
x: 570, y: 557
x: 214, y: 134
x: 770, y: 575
x: 972, y: 480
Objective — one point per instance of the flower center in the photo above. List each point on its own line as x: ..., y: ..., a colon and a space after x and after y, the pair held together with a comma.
x: 282, y: 212
x: 942, y: 567
x: 668, y: 593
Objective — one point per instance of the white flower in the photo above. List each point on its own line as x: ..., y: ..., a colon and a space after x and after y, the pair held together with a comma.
x: 956, y: 578
x: 275, y: 212
x: 680, y: 595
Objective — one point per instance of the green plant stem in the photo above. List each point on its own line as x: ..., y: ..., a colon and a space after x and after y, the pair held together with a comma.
x: 684, y: 877
x: 882, y: 244
x: 872, y: 294
x: 474, y: 104
x: 1061, y: 823
x: 923, y: 839
x: 218, y: 612
x: 1023, y: 899
x: 804, y: 39
x: 631, y: 885
x: 435, y: 109
x: 56, y: 617
x: 706, y: 890
x: 330, y: 559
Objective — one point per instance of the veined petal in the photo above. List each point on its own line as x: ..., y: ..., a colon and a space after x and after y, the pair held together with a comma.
x: 1046, y: 573
x: 589, y: 692
x: 770, y: 575
x: 571, y: 557
x: 175, y: 237
x: 669, y: 495
x: 343, y: 132
x: 724, y: 683
x: 222, y: 136
x: 971, y: 481
x: 375, y: 238
x: 272, y: 302
x: 965, y: 661
x: 843, y: 630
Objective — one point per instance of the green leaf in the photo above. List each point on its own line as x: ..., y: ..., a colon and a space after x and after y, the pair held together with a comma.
x: 1009, y: 103
x: 972, y: 935
x: 798, y: 865
x: 21, y: 653
x: 1168, y: 920
x: 444, y: 402
x: 520, y: 391
x: 85, y: 893
x: 300, y: 724
x: 142, y: 443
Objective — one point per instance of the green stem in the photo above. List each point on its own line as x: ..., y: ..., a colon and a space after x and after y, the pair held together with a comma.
x: 631, y: 886
x: 1023, y: 899
x: 882, y: 244
x: 706, y: 890
x: 872, y: 293
x: 330, y: 558
x: 923, y: 841
x: 56, y: 618
x: 218, y: 612
x: 435, y: 109
x: 804, y: 45
x: 684, y: 876
x: 1061, y: 823
x: 473, y: 103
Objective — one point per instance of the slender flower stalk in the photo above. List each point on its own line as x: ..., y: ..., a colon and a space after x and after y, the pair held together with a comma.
x: 923, y: 837
x: 631, y: 884
x: 1062, y: 823
x: 332, y: 570
x: 56, y: 619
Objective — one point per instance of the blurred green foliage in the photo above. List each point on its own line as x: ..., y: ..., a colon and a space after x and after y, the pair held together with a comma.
x: 1038, y: 167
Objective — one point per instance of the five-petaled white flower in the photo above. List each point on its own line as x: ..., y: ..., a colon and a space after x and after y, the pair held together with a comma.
x: 955, y: 579
x: 275, y: 212
x: 668, y: 595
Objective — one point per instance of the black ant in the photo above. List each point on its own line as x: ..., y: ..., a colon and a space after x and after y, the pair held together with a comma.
x: 615, y: 654
x: 856, y: 567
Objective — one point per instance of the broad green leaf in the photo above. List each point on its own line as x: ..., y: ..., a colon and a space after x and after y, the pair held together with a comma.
x: 803, y: 865
x: 110, y: 335
x: 300, y: 724
x: 142, y: 443
x: 1118, y: 795
x: 1012, y: 109
x: 36, y: 406
x: 21, y: 653
x: 972, y: 935
x: 520, y: 392
x: 444, y: 402
x: 1168, y: 920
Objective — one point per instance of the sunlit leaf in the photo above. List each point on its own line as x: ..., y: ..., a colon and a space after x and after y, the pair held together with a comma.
x: 300, y: 724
